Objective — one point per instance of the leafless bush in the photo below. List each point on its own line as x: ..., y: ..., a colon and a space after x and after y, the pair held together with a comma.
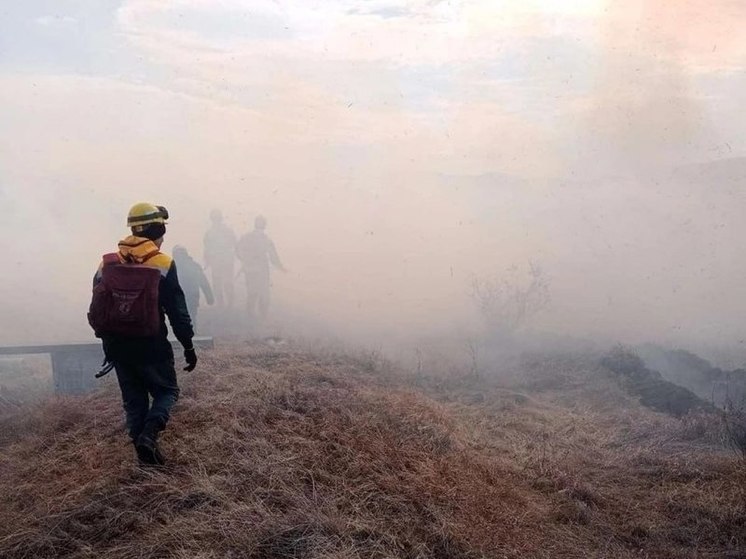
x: 507, y: 303
x: 472, y: 347
x: 734, y: 420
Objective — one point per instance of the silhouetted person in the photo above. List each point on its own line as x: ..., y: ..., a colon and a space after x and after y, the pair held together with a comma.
x: 257, y: 252
x: 220, y: 253
x: 193, y: 281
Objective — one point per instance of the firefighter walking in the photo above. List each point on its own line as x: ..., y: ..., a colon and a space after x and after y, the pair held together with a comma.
x: 134, y: 290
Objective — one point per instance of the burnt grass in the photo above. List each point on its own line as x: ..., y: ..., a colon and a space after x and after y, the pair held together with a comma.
x: 655, y: 392
x: 296, y: 453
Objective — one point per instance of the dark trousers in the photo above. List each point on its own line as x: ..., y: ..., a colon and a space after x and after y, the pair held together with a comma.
x: 139, y: 383
x: 193, y: 308
x: 222, y: 283
x: 257, y: 291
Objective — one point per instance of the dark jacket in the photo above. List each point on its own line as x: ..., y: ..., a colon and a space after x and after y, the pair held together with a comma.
x: 192, y: 279
x: 154, y: 349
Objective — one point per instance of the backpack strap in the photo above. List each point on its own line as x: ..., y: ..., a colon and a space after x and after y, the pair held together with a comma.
x: 150, y: 255
x: 111, y: 258
x: 116, y: 258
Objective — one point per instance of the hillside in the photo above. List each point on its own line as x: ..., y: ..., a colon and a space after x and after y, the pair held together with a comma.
x: 298, y: 453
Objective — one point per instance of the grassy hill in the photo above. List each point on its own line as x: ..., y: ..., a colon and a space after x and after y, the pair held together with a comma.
x: 297, y: 453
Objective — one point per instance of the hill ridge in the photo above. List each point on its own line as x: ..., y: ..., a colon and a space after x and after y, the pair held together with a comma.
x: 298, y: 453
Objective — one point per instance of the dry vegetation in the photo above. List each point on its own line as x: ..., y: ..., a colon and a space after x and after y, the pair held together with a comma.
x: 306, y: 454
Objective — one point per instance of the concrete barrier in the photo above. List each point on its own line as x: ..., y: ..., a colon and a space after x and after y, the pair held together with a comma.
x: 74, y: 365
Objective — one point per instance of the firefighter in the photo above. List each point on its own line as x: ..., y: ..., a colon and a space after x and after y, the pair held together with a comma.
x: 135, y: 288
x: 257, y: 253
x: 193, y: 281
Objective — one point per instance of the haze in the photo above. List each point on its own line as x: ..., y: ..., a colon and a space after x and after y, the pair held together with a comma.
x: 397, y: 150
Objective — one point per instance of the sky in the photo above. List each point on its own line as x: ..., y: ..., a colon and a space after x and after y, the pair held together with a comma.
x: 398, y: 149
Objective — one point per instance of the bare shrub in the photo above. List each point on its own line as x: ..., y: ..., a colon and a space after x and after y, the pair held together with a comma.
x: 734, y: 421
x: 507, y: 303
x: 473, y: 348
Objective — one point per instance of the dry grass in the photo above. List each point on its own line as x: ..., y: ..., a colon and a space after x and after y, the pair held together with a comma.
x: 298, y: 454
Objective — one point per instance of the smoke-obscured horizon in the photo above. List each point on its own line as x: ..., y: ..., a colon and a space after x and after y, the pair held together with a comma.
x: 397, y: 152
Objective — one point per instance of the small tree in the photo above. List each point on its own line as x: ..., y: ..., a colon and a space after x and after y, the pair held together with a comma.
x: 508, y: 303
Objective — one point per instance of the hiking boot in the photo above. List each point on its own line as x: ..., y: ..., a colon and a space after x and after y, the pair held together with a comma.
x: 146, y: 445
x: 148, y: 451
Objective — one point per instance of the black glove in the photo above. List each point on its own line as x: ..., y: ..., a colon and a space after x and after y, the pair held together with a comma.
x: 106, y: 368
x: 191, y: 359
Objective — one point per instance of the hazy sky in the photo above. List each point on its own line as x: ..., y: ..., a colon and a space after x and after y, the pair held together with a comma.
x: 397, y: 149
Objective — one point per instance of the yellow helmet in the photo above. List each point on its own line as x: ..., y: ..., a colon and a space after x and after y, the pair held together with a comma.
x: 144, y: 213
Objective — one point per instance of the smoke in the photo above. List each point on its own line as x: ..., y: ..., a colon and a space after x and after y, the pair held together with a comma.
x: 393, y: 171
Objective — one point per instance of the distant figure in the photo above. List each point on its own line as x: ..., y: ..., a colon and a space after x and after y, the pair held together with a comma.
x: 192, y: 280
x: 257, y: 252
x: 220, y: 253
x: 134, y: 290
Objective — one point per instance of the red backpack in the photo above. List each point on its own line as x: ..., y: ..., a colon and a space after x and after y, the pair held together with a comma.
x: 125, y: 301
